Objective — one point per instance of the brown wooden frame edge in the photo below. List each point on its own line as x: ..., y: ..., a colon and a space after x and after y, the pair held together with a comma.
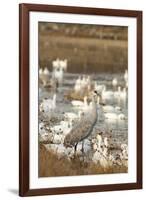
x: 24, y: 10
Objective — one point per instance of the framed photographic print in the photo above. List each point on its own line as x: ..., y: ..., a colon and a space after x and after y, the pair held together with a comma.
x: 80, y: 99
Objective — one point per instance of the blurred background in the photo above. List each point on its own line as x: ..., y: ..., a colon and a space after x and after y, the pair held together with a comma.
x: 88, y: 48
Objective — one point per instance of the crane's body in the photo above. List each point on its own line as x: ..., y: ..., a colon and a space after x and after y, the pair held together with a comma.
x: 83, y: 128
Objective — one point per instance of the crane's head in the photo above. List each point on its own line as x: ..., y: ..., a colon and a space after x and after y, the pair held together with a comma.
x: 94, y: 96
x: 98, y: 96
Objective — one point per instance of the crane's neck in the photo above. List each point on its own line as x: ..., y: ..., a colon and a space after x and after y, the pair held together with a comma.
x: 94, y: 109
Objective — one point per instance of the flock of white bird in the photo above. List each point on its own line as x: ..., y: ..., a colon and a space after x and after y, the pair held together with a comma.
x: 82, y: 84
x: 118, y: 95
x: 69, y: 130
x: 59, y: 67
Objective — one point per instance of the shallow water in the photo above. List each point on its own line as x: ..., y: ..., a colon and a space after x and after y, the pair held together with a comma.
x: 119, y: 127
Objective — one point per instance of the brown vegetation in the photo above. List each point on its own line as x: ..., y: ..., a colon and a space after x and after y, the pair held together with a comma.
x: 51, y: 165
x: 84, y: 30
x: 84, y: 54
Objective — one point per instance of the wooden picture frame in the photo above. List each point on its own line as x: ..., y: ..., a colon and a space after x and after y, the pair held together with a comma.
x: 24, y: 104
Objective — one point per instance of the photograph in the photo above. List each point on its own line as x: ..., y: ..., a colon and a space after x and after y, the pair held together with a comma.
x: 82, y: 99
x: 80, y: 87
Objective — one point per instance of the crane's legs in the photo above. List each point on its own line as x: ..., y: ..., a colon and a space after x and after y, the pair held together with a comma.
x: 75, y: 148
x: 83, y: 146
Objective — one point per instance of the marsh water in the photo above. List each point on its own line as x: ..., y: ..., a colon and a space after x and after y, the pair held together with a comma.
x: 118, y: 128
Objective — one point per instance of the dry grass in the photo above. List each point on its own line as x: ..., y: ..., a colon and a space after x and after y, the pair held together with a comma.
x: 71, y: 95
x: 84, y: 55
x: 50, y: 165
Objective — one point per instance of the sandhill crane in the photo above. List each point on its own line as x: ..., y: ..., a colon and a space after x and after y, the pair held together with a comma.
x: 83, y: 128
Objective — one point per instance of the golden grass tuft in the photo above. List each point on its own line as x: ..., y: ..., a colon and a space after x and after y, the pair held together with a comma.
x: 50, y: 165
